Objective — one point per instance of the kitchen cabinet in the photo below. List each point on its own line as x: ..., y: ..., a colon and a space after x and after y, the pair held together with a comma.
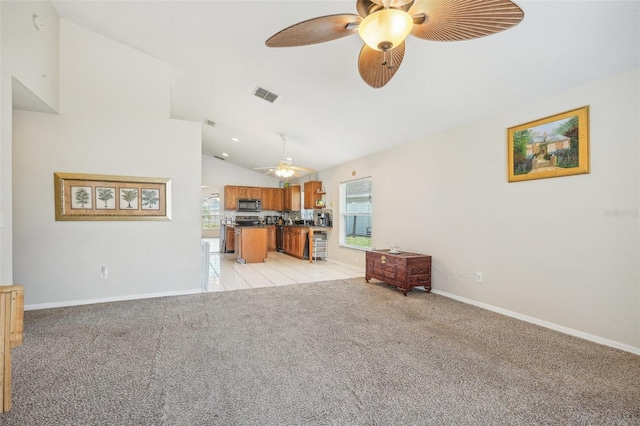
x: 230, y: 197
x: 243, y: 192
x: 271, y: 238
x: 277, y: 199
x: 312, y: 194
x: 249, y: 192
x: 251, y: 244
x: 271, y: 198
x: 229, y: 239
x: 295, y: 239
x: 265, y: 196
x: 403, y: 269
x: 292, y: 198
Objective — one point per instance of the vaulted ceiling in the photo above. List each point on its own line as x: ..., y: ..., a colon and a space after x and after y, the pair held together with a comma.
x: 329, y: 115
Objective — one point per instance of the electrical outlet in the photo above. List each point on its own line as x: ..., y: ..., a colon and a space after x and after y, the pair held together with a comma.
x: 104, y: 273
x: 478, y: 277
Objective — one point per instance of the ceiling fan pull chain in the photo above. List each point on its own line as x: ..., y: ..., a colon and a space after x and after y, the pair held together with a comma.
x: 390, y: 65
x: 384, y: 58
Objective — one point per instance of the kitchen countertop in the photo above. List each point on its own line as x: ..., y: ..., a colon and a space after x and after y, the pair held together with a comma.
x: 314, y: 227
x: 233, y: 225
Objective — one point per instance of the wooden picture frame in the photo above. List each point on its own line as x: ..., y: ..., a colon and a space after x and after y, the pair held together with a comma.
x: 549, y: 147
x: 105, y: 197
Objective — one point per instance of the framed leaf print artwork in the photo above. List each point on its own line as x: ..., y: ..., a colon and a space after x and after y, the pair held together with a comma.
x: 105, y: 197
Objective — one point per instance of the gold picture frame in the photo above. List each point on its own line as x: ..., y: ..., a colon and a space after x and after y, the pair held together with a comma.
x: 554, y: 146
x: 104, y: 197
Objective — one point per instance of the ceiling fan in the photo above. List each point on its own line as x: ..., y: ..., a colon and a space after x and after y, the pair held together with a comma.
x: 285, y: 169
x: 384, y: 25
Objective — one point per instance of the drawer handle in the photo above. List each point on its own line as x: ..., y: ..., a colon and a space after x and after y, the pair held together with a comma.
x: 383, y: 259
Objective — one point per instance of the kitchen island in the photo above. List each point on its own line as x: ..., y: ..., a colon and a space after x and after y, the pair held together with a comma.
x: 250, y: 244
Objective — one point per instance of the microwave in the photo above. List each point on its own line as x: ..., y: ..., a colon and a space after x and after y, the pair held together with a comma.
x: 249, y: 205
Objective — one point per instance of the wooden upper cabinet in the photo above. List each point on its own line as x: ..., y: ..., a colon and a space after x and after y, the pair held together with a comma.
x: 230, y: 197
x: 255, y: 193
x: 277, y: 199
x: 249, y: 192
x: 272, y: 198
x: 243, y: 192
x: 312, y: 194
x: 292, y: 198
x: 265, y: 196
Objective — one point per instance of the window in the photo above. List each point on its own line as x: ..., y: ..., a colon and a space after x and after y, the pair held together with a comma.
x: 356, y: 212
x: 211, y: 212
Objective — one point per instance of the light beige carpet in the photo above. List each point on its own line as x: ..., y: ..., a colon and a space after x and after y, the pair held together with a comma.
x: 339, y: 352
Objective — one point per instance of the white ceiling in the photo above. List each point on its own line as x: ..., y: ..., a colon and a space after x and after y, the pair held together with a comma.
x: 218, y: 55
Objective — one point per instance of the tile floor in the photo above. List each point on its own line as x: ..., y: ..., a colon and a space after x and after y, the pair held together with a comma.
x: 226, y: 274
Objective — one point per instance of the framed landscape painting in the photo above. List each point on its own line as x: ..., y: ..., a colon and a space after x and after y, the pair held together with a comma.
x: 105, y: 197
x: 549, y: 147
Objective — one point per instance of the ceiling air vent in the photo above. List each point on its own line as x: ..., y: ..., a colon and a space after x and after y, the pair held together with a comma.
x: 219, y: 158
x: 210, y: 123
x: 265, y: 94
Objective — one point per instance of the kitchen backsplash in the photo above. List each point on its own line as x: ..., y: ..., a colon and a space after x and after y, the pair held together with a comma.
x: 229, y: 216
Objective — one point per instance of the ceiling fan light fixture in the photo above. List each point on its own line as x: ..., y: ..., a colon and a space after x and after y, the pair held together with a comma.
x: 284, y: 171
x: 385, y: 29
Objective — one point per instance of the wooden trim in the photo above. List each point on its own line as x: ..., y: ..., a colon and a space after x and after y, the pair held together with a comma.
x: 11, y: 335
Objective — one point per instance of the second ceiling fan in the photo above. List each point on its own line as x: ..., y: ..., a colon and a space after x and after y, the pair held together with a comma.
x: 285, y: 168
x: 384, y: 25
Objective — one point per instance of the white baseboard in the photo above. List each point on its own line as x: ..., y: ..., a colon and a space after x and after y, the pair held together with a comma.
x: 110, y: 299
x: 546, y: 324
x: 338, y: 262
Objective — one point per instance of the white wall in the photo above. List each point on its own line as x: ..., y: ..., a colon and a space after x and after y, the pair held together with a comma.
x: 546, y: 247
x: 219, y: 173
x: 30, y: 63
x: 33, y: 55
x: 112, y: 122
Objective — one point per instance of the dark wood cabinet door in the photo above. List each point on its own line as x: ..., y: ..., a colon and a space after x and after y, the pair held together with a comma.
x: 230, y: 242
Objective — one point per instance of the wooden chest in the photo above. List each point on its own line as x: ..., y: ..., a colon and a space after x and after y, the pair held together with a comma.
x: 404, y: 270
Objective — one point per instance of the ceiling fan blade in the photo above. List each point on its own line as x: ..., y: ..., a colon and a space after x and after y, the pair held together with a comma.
x: 463, y: 20
x: 303, y: 169
x: 372, y: 67
x: 316, y: 30
x: 366, y: 7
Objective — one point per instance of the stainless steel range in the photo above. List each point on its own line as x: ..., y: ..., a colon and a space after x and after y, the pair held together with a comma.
x: 247, y: 221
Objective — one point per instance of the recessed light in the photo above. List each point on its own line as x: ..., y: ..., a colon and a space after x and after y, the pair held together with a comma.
x: 224, y: 154
x: 289, y: 159
x: 235, y: 139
